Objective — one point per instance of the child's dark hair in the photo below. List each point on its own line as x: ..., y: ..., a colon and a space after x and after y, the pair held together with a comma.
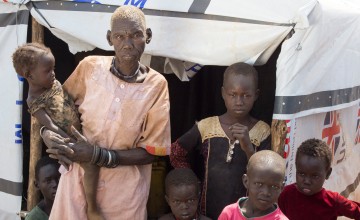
x: 242, y: 69
x: 26, y: 57
x: 181, y: 176
x: 316, y: 148
x: 43, y: 162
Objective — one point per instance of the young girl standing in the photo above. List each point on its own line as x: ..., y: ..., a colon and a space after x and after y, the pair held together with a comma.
x: 226, y: 142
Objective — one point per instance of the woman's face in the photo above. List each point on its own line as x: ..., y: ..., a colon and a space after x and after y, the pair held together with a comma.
x: 128, y: 37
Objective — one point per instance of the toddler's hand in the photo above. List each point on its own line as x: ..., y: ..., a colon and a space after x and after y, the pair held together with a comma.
x: 57, y: 147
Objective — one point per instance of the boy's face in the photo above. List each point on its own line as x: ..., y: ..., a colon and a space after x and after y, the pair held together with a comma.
x: 239, y: 94
x: 43, y: 74
x: 183, y: 201
x: 48, y: 180
x: 264, y: 186
x: 311, y: 173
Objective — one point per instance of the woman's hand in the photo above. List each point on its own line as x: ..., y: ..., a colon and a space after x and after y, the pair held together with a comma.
x: 66, y: 152
x: 82, y: 149
x: 241, y: 132
x: 58, y: 147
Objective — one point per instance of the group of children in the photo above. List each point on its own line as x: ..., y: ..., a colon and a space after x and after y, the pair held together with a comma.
x: 264, y: 180
x: 267, y: 198
x: 241, y: 178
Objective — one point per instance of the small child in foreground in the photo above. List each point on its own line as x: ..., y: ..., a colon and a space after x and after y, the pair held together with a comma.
x: 307, y: 199
x: 182, y: 194
x: 264, y: 181
x: 53, y: 107
x: 46, y: 180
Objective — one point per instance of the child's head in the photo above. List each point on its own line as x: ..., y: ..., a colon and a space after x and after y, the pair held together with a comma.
x: 47, y: 177
x: 36, y: 63
x: 313, y: 166
x: 264, y: 181
x: 182, y: 193
x: 240, y: 89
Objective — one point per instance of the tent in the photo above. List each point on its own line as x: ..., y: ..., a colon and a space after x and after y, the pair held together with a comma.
x: 317, y: 77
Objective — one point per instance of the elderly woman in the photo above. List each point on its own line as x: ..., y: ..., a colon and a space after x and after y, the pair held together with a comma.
x: 124, y: 109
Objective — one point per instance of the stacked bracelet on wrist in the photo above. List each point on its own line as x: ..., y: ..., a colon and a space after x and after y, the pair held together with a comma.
x: 104, y: 158
x: 42, y: 130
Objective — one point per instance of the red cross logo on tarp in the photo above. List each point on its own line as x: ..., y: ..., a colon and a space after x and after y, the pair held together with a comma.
x: 331, y: 130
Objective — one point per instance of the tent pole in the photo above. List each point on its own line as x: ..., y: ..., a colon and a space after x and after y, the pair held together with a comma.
x: 35, y: 139
x: 278, y: 135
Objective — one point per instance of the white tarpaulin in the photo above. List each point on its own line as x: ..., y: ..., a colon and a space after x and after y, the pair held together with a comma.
x: 197, y: 33
x: 13, y: 31
x: 213, y: 32
x: 318, y: 69
x: 318, y: 90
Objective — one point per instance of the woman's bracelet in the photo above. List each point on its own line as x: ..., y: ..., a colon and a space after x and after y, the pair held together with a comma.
x: 42, y: 130
x: 95, y: 155
x: 104, y: 158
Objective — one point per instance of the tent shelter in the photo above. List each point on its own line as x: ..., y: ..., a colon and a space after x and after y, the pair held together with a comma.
x: 317, y: 71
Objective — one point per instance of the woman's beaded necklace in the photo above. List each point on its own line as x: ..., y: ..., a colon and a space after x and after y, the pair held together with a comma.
x: 121, y: 75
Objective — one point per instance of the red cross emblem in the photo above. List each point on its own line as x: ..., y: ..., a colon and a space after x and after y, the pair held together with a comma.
x: 331, y: 130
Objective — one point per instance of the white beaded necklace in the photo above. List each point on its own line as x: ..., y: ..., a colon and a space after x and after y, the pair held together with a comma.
x: 230, y: 153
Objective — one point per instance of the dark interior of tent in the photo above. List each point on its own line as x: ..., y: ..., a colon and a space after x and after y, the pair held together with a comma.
x: 190, y: 101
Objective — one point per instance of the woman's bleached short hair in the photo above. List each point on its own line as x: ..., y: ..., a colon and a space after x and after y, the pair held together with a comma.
x: 128, y: 12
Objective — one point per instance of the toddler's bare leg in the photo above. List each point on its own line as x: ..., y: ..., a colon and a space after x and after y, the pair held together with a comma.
x: 91, y: 178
